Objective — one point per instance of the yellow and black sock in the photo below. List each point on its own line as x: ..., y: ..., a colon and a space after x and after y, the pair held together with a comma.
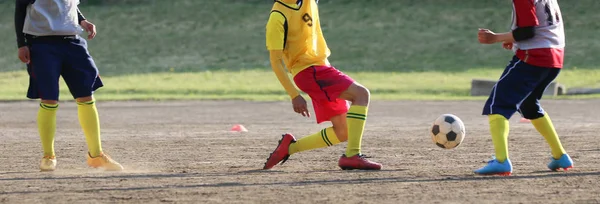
x: 90, y: 123
x: 324, y: 138
x: 356, y: 118
x: 46, y: 121
x: 545, y: 127
x: 499, y: 129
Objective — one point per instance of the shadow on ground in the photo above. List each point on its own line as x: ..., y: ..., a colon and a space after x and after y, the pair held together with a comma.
x: 400, y: 179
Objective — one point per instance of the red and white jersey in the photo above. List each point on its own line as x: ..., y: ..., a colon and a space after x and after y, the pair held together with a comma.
x: 546, y: 48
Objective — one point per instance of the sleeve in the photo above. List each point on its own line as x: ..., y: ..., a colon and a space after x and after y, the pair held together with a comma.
x: 281, y: 74
x: 526, y: 13
x: 20, y: 14
x: 276, y: 31
x: 80, y: 16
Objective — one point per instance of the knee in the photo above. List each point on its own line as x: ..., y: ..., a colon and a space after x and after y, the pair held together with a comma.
x: 357, y: 94
x: 363, y: 95
x: 364, y: 92
x: 531, y: 111
x: 84, y: 99
x: 50, y: 102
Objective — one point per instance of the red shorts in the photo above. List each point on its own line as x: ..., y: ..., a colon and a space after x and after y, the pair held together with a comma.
x: 324, y: 84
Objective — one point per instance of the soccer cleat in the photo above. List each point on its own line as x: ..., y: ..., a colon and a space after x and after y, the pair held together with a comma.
x: 103, y: 161
x: 565, y: 162
x: 494, y: 167
x: 48, y: 163
x: 358, y: 161
x: 281, y: 153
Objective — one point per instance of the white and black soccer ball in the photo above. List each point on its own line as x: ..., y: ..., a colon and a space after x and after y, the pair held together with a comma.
x: 447, y: 131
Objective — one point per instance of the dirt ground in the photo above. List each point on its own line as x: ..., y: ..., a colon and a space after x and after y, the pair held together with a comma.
x: 184, y: 152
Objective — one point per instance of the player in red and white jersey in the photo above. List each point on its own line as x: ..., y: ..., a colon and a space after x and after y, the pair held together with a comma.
x: 540, y: 36
x: 538, y: 39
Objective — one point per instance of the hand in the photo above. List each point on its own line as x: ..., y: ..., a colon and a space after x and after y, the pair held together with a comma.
x: 24, y: 54
x: 486, y: 36
x: 507, y: 45
x: 299, y: 105
x: 90, y: 28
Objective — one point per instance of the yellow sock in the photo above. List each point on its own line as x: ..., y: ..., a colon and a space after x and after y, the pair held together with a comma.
x: 356, y: 118
x: 499, y: 129
x: 324, y: 138
x: 545, y: 127
x: 46, y: 121
x: 88, y: 119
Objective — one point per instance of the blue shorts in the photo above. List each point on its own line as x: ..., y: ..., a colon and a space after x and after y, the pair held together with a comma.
x: 520, y: 88
x: 52, y: 57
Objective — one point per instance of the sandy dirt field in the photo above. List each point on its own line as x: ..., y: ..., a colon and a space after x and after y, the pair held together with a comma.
x: 183, y: 152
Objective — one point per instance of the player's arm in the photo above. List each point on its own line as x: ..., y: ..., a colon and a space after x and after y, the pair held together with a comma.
x: 526, y: 21
x: 276, y: 57
x: 80, y: 16
x: 275, y: 44
x: 89, y: 27
x: 486, y: 36
x: 20, y: 14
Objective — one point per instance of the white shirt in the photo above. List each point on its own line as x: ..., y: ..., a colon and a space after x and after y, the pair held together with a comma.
x: 52, y: 17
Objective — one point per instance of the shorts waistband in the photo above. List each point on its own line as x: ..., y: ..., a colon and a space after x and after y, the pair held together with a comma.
x: 51, y: 37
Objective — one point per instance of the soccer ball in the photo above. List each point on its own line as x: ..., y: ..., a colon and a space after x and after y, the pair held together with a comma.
x: 447, y: 131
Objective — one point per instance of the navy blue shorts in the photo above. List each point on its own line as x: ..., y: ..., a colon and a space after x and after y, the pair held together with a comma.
x: 520, y: 88
x: 53, y: 57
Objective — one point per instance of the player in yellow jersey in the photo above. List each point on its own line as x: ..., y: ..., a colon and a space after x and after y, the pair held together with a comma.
x: 294, y: 36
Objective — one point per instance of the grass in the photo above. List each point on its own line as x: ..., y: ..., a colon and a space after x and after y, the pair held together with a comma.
x: 144, y: 36
x: 258, y: 84
x: 403, y: 49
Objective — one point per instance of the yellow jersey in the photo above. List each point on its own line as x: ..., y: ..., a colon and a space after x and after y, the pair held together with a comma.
x: 295, y: 29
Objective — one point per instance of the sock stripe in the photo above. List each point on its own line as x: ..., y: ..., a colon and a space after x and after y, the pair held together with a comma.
x: 86, y: 103
x: 48, y: 106
x: 358, y: 118
x: 356, y: 114
x: 325, y: 138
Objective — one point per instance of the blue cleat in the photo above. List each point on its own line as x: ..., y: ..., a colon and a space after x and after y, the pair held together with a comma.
x: 565, y: 162
x: 494, y: 167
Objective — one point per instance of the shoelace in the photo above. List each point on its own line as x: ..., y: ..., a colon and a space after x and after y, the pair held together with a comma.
x: 106, y: 158
x: 492, y: 160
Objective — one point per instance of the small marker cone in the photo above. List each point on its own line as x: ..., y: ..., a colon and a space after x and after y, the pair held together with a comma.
x: 524, y: 120
x: 239, y: 128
